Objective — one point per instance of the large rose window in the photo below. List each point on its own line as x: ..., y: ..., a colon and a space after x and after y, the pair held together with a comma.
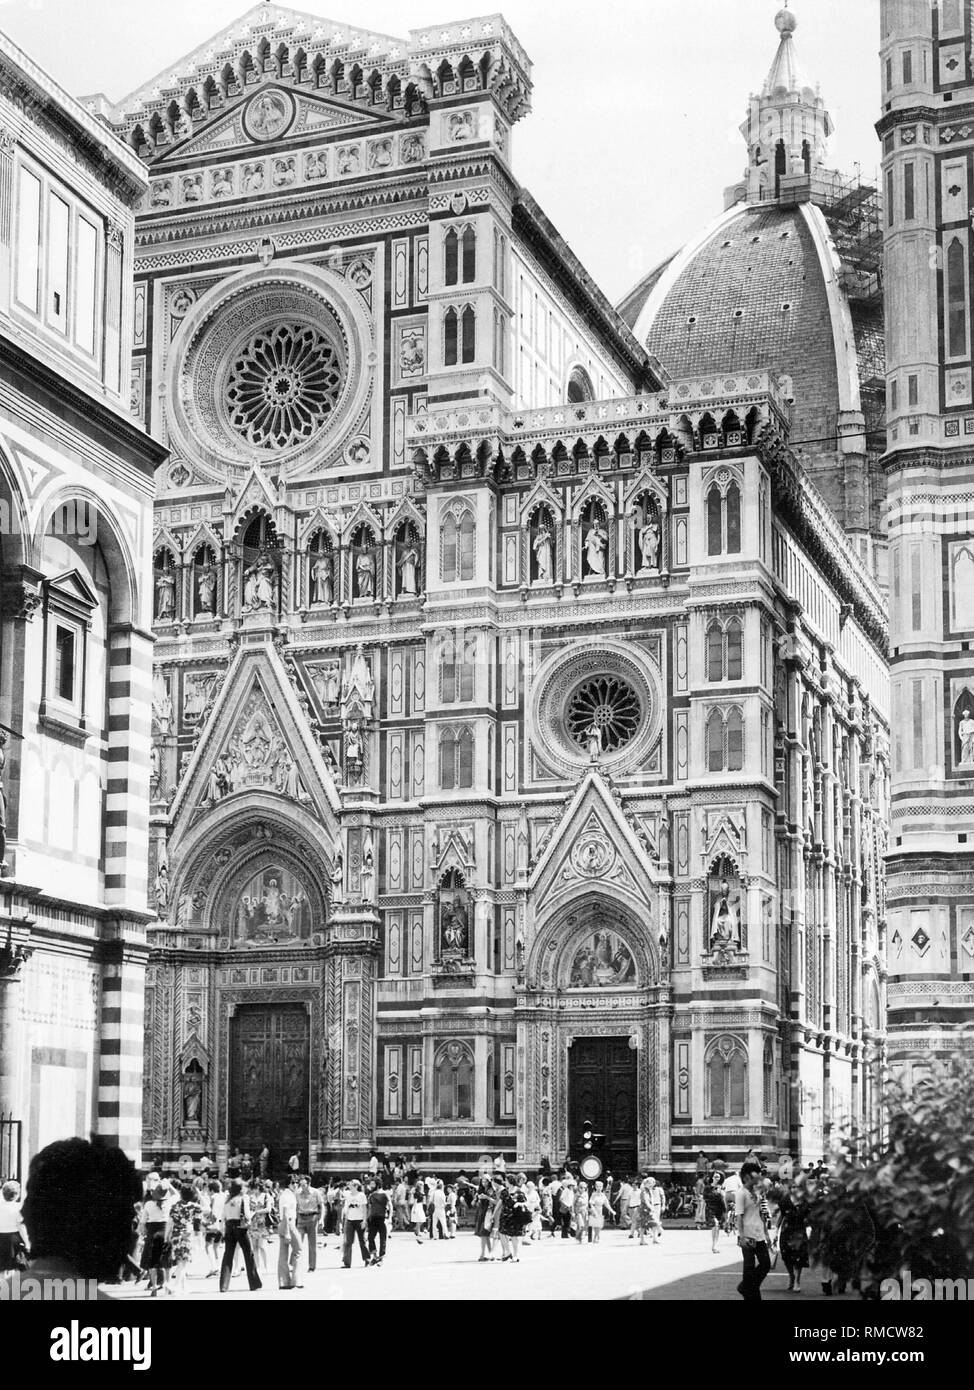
x: 608, y: 704
x: 283, y: 386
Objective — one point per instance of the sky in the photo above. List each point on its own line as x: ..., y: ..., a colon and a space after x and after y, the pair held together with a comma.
x: 634, y: 132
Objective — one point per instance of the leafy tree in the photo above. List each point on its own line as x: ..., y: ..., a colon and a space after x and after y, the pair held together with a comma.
x: 910, y: 1204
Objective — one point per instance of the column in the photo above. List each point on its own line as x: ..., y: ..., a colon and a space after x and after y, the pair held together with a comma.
x: 123, y: 954
x: 129, y: 758
x: 7, y: 142
x: 15, y: 950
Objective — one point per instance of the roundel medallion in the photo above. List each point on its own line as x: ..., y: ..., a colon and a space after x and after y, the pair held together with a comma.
x: 268, y: 114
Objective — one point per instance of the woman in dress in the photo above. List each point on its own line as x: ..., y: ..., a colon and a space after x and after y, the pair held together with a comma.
x: 156, y: 1250
x: 236, y: 1224
x: 483, y: 1219
x: 260, y: 1229
x: 581, y: 1211
x: 715, y: 1209
x: 514, y: 1216
x: 183, y: 1215
x: 598, y: 1205
x: 417, y: 1214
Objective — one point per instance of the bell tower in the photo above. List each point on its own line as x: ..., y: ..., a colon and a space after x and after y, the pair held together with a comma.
x: 927, y: 139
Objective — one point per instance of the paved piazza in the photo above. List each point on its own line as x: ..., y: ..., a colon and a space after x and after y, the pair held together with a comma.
x: 682, y: 1268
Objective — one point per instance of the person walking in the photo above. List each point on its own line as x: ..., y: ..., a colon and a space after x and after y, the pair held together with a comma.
x: 715, y: 1209
x: 236, y: 1224
x: 184, y: 1215
x: 598, y: 1206
x: 438, y: 1211
x: 752, y: 1235
x: 213, y: 1225
x: 793, y: 1236
x: 417, y: 1212
x: 353, y: 1223
x: 400, y: 1201
x: 581, y: 1211
x: 156, y: 1249
x: 451, y: 1211
x: 289, y: 1239
x: 378, y: 1206
x: 623, y: 1200
x: 483, y: 1219
x: 308, y: 1200
x: 13, y: 1235
x: 566, y: 1206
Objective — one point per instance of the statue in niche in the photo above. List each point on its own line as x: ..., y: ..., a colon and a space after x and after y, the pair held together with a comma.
x: 367, y: 871
x: 965, y: 733
x: 165, y: 595
x: 162, y: 891
x: 725, y: 909
x: 327, y: 683
x: 206, y: 587
x: 596, y: 543
x: 322, y: 579
x: 593, y: 741
x: 408, y: 568
x: 162, y: 710
x: 454, y: 916
x: 647, y: 539
x: 260, y: 584
x: 543, y: 547
x: 359, y: 687
x: 337, y: 877
x: 365, y: 573
x: 192, y: 1094
x: 353, y: 749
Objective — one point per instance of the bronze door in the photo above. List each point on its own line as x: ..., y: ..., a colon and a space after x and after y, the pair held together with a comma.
x: 602, y: 1089
x: 269, y: 1065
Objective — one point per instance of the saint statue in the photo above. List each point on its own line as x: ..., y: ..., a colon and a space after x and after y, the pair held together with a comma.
x: 337, y: 877
x: 162, y: 891
x: 725, y: 926
x: 192, y: 1098
x: 322, y: 583
x: 408, y: 564
x: 206, y: 588
x: 593, y: 741
x: 165, y: 595
x: 367, y: 871
x: 649, y: 543
x: 542, y: 552
x: 965, y: 730
x: 365, y: 574
x: 454, y: 925
x: 596, y: 541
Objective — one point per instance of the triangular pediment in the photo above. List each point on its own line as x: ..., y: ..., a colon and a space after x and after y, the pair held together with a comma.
x: 270, y: 115
x: 257, y: 739
x: 71, y: 585
x: 592, y: 847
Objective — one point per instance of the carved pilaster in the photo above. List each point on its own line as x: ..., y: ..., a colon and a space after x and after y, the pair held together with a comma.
x: 7, y: 142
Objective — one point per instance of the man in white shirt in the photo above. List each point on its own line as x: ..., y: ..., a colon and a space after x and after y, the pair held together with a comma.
x: 289, y: 1252
x: 356, y: 1210
x: 752, y: 1235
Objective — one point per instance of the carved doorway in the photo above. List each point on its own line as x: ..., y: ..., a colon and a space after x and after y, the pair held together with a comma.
x: 602, y: 1089
x: 269, y: 1072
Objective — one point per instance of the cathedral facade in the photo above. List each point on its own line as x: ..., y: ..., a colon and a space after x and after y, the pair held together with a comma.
x: 519, y: 728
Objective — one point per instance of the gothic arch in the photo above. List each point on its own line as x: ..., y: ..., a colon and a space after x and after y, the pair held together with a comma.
x: 557, y: 942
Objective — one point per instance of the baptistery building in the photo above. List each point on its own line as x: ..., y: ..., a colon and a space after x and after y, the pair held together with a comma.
x: 519, y: 726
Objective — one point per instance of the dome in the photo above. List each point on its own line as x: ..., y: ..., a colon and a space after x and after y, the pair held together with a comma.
x: 759, y: 290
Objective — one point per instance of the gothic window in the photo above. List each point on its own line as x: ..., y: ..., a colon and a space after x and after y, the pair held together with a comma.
x: 468, y: 667
x: 734, y: 650
x: 454, y: 1082
x: 956, y: 299
x: 468, y: 334
x: 909, y: 198
x: 450, y: 258
x: 735, y: 741
x: 450, y: 326
x: 715, y: 652
x: 580, y: 387
x: 469, y: 243
x: 768, y: 1069
x: 724, y: 519
x: 726, y: 1068
x: 724, y: 650
x: 807, y: 156
x: 715, y: 741
x: 448, y: 669
x: 725, y: 741
x: 457, y: 547
x: 962, y: 587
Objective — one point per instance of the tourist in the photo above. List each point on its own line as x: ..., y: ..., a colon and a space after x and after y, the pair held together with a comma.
x: 289, y: 1239
x: 264, y: 1162
x: 437, y: 1211
x: 653, y: 1206
x: 700, y: 1202
x: 417, y: 1213
x: 752, y: 1234
x: 400, y: 1200
x: 580, y: 1212
x: 483, y: 1220
x: 78, y: 1212
x: 533, y: 1200
x: 156, y: 1248
x: 715, y: 1210
x: 236, y: 1222
x: 373, y: 1164
x: 13, y: 1236
x: 309, y: 1205
x: 623, y: 1198
x: 353, y: 1223
x: 703, y: 1164
x: 378, y: 1207
x: 213, y: 1226
x: 261, y: 1206
x: 451, y: 1212
x: 793, y: 1236
x: 598, y: 1205
x: 512, y: 1216
x: 184, y: 1215
x: 566, y: 1205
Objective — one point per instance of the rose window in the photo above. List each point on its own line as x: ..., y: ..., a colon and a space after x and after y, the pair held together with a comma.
x: 607, y: 703
x: 283, y: 386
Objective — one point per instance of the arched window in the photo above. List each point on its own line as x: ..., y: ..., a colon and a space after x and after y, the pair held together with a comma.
x: 456, y: 750
x: 733, y: 504
x: 450, y: 338
x: 807, y: 156
x: 448, y: 669
x: 447, y: 751
x: 469, y: 255
x: 454, y: 1082
x: 735, y: 654
x: 450, y: 258
x: 956, y: 299
x: 768, y: 1069
x: 448, y: 549
x: 715, y: 741
x: 464, y: 759
x: 715, y: 521
x: 580, y: 387
x: 468, y: 668
x: 735, y: 741
x: 715, y: 652
x: 468, y: 335
x: 726, y: 1072
x: 465, y: 537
